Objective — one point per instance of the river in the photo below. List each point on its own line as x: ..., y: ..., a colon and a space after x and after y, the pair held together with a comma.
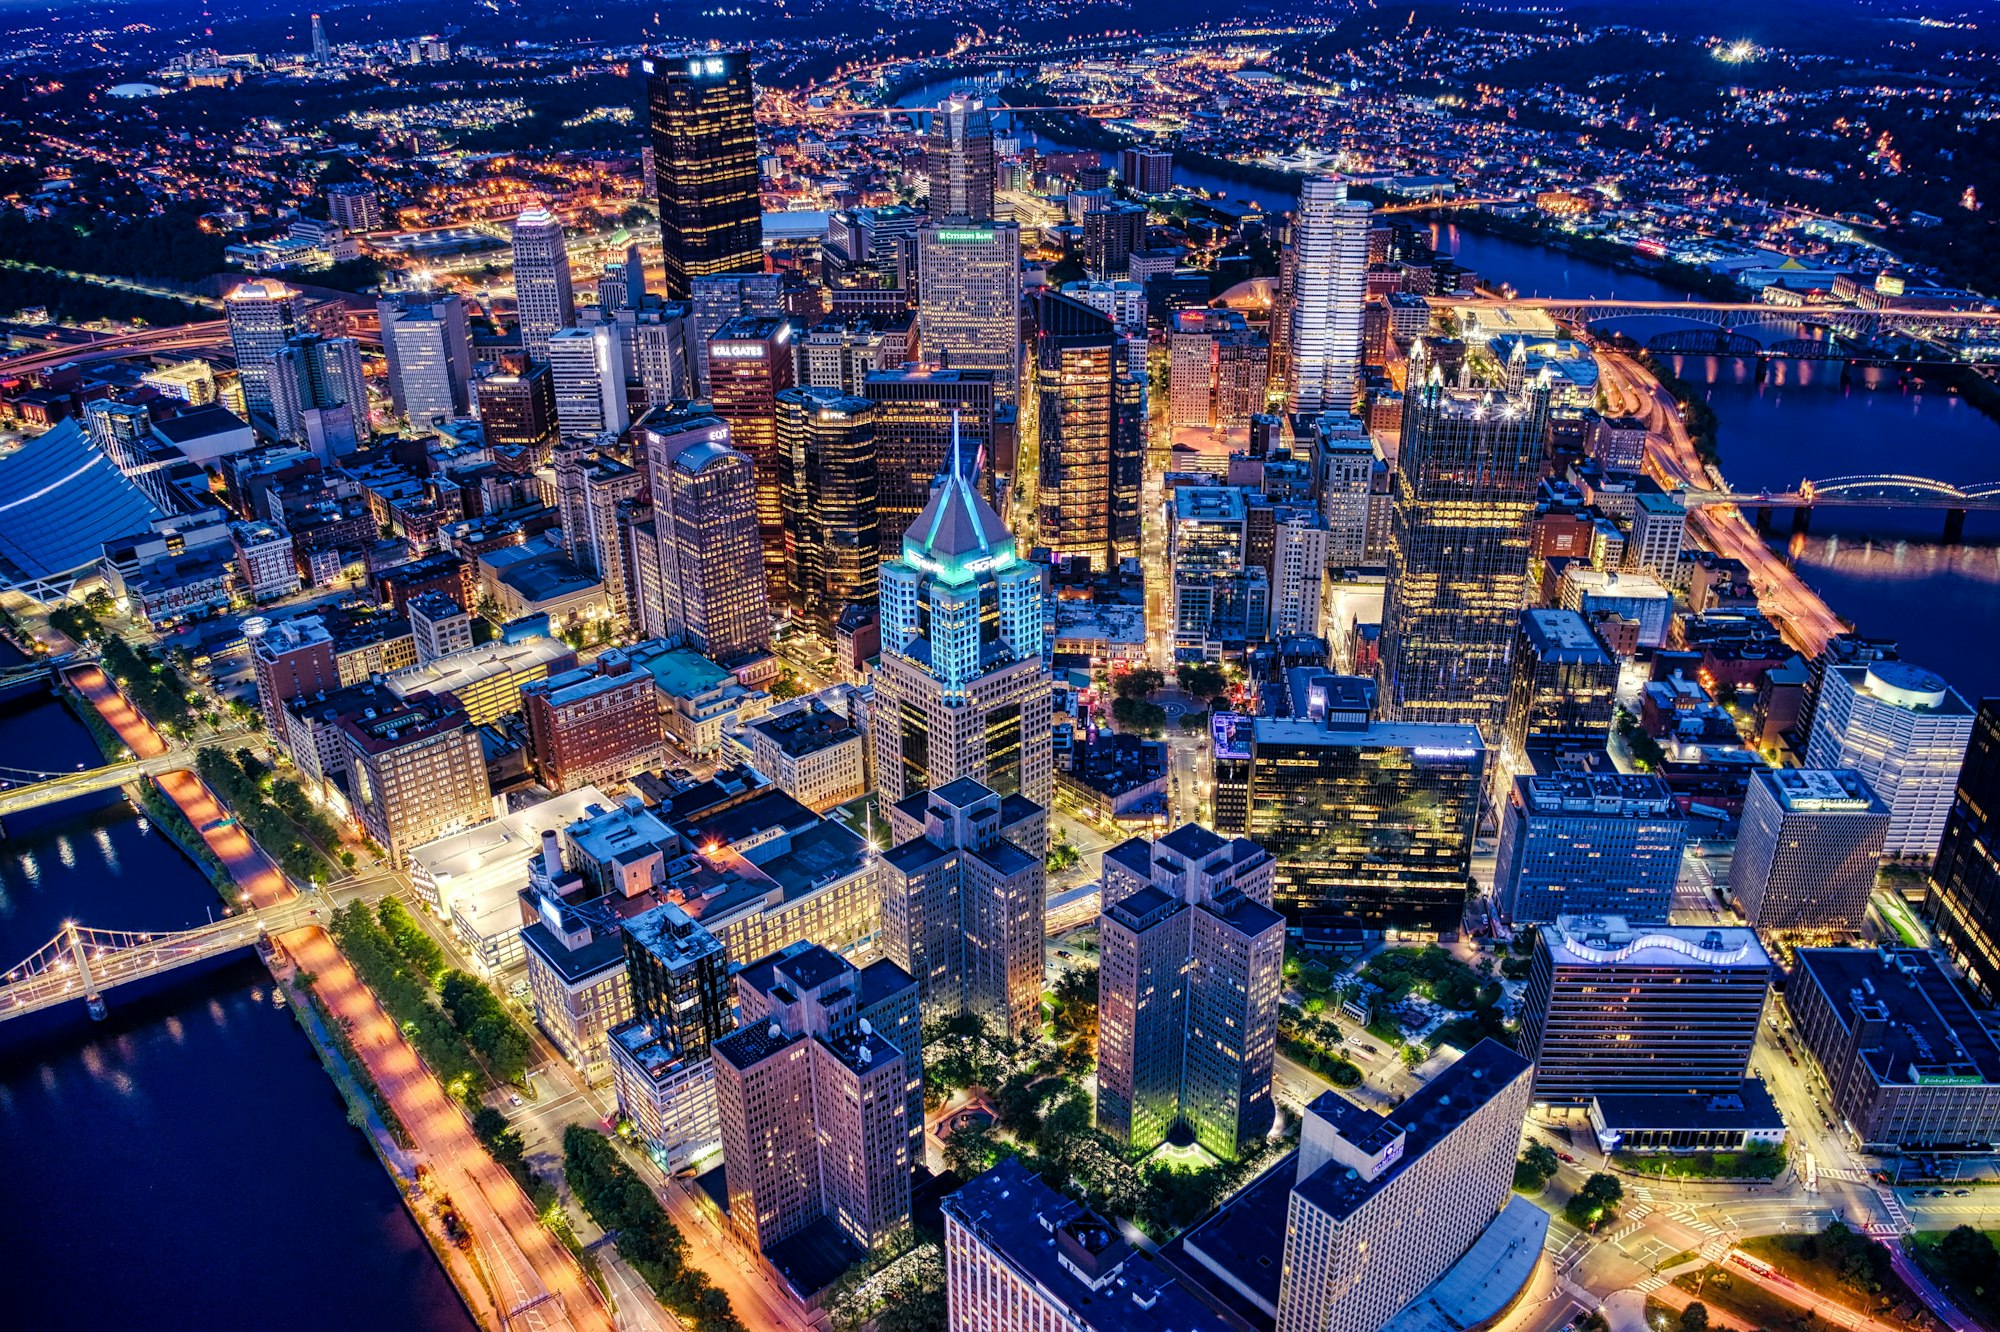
x: 185, y: 1164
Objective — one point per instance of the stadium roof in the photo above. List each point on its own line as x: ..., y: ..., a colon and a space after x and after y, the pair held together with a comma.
x: 61, y: 499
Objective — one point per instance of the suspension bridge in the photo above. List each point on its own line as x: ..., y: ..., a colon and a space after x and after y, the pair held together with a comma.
x: 28, y: 788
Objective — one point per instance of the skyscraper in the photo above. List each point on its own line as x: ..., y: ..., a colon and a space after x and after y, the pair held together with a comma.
x: 751, y: 361
x: 1087, y: 429
x: 969, y: 304
x: 1328, y: 291
x: 833, y: 548
x: 588, y: 381
x: 543, y: 301
x: 318, y: 397
x: 960, y: 159
x: 1964, y: 900
x: 704, y: 140
x: 428, y: 343
x: 1458, y: 563
x: 263, y: 317
x: 962, y: 690
x: 1188, y: 989
x: 517, y: 405
x: 1564, y: 688
x: 1596, y: 843
x: 719, y: 298
x: 1903, y: 729
x: 705, y: 519
x: 1807, y: 853
x: 916, y: 412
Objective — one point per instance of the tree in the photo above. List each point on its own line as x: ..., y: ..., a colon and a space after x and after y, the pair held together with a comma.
x: 1969, y: 1256
x: 1138, y: 683
x: 1200, y: 678
x: 1595, y: 1202
x: 971, y: 1150
x: 1537, y: 1166
x: 1694, y: 1318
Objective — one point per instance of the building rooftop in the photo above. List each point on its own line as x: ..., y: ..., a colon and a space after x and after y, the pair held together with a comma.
x: 1749, y: 1108
x: 1480, y: 1286
x: 1926, y: 1032
x: 61, y: 499
x: 681, y: 673
x: 1431, y: 739
x: 419, y: 717
x: 1821, y: 790
x: 1595, y: 941
x: 1572, y: 791
x: 509, y: 842
x: 800, y: 731
x: 671, y: 935
x: 1906, y: 685
x: 473, y: 666
x: 1562, y: 635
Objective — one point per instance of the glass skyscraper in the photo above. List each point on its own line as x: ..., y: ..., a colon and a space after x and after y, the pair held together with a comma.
x: 704, y: 133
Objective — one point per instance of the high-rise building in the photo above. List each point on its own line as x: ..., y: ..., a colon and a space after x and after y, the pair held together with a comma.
x: 123, y: 430
x: 1467, y: 470
x: 1216, y: 369
x: 958, y: 153
x: 1905, y: 731
x: 1346, y: 460
x: 751, y: 361
x: 265, y: 566
x: 594, y: 725
x: 592, y: 489
x: 1088, y: 436
x: 969, y: 304
x: 318, y: 397
x: 428, y: 343
x: 1659, y: 530
x: 1564, y: 686
x: 322, y: 49
x: 418, y: 772
x: 962, y: 689
x: 439, y: 626
x: 1807, y: 853
x: 1220, y: 597
x: 517, y: 405
x: 588, y: 382
x: 1328, y: 290
x: 1964, y: 900
x: 543, y: 300
x: 354, y: 206
x: 292, y: 659
x: 705, y: 519
x: 263, y: 316
x: 1111, y: 236
x: 1146, y: 170
x: 717, y: 299
x: 814, y: 1107
x: 704, y: 141
x: 963, y: 903
x: 1188, y: 986
x: 917, y: 409
x: 661, y: 1070
x: 1368, y: 819
x: 1300, y: 555
x: 1596, y: 843
x: 1658, y: 1009
x: 833, y: 548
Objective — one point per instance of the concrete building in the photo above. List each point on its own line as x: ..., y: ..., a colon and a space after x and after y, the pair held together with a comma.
x: 487, y: 681
x: 1564, y: 688
x: 1659, y: 531
x: 427, y: 340
x: 439, y: 626
x: 814, y: 754
x: 1908, y: 1064
x: 1189, y: 981
x: 263, y: 317
x: 1807, y: 853
x: 578, y: 982
x: 714, y: 596
x: 416, y: 771
x: 543, y: 299
x: 1964, y: 901
x: 1656, y: 1009
x: 472, y: 880
x: 1346, y: 460
x: 265, y: 567
x: 1905, y: 731
x: 1589, y: 843
x: 1216, y: 369
x: 1640, y: 597
x: 588, y: 381
x: 963, y: 903
x: 962, y: 689
x: 969, y: 302
x: 1328, y: 291
x: 594, y: 725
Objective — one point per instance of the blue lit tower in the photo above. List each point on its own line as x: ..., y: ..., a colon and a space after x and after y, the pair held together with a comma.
x: 962, y: 690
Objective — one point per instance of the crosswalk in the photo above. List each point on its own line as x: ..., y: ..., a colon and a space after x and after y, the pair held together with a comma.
x: 1898, y: 1218
x: 1633, y: 1219
x: 1650, y: 1284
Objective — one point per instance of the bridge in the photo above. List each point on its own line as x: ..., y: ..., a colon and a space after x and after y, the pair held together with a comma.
x: 82, y: 963
x: 1725, y: 321
x: 47, y: 788
x: 1885, y: 491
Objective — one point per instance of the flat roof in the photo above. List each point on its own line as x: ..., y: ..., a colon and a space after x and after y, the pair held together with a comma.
x: 1821, y: 790
x: 1928, y: 1032
x: 1454, y: 738
x: 507, y: 842
x: 1479, y: 1286
x: 1595, y: 941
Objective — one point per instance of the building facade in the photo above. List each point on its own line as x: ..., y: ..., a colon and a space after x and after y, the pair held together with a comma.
x: 1964, y: 900
x: 544, y: 300
x: 712, y: 587
x: 827, y: 458
x: 1905, y: 731
x: 1329, y: 281
x: 1588, y: 843
x: 702, y: 109
x: 417, y: 772
x: 969, y: 299
x: 1807, y: 853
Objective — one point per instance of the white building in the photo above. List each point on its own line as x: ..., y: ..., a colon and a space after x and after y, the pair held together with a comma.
x: 1903, y: 729
x: 263, y: 317
x: 969, y: 309
x: 1329, y: 289
x: 589, y: 383
x: 427, y: 341
x: 543, y: 300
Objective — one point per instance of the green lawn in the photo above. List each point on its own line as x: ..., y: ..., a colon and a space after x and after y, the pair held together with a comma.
x: 1827, y: 1270
x: 1751, y: 1164
x: 1981, y: 1302
x: 1746, y: 1302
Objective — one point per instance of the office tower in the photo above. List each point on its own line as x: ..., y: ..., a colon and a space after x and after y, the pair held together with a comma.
x: 718, y: 299
x: 660, y: 352
x: 1659, y: 530
x: 1216, y: 369
x: 322, y: 49
x: 1019, y: 1254
x: 265, y: 567
x: 814, y: 1106
x: 678, y: 974
x: 1219, y: 597
x: 841, y: 353
x: 588, y: 383
x: 1346, y: 460
x: 1904, y: 730
x: 439, y: 626
x: 592, y: 726
x: 594, y: 492
x: 958, y: 154
x: 1598, y: 843
x: 517, y: 405
x: 832, y: 545
x: 1964, y: 899
x: 1301, y: 552
x: 752, y: 361
x: 1111, y: 236
x: 318, y: 397
x: 1188, y: 986
x: 1617, y: 1008
x: 963, y: 902
x: 705, y: 519
x: 418, y: 772
x: 123, y: 430
x: 354, y: 206
x: 1909, y: 1065
x: 916, y: 411
x: 1087, y: 436
x: 1458, y: 559
x: 543, y: 300
x: 1807, y: 853
x: 704, y: 141
x: 1368, y: 819
x: 292, y: 659
x: 263, y: 317
x: 962, y: 689
x: 1564, y: 686
x: 969, y: 305
x: 428, y: 344
x: 1146, y: 170
x: 1328, y: 289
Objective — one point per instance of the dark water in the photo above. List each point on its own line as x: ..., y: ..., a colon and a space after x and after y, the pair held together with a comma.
x: 185, y: 1164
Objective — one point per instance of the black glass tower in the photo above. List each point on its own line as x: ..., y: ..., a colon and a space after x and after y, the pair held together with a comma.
x: 704, y: 135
